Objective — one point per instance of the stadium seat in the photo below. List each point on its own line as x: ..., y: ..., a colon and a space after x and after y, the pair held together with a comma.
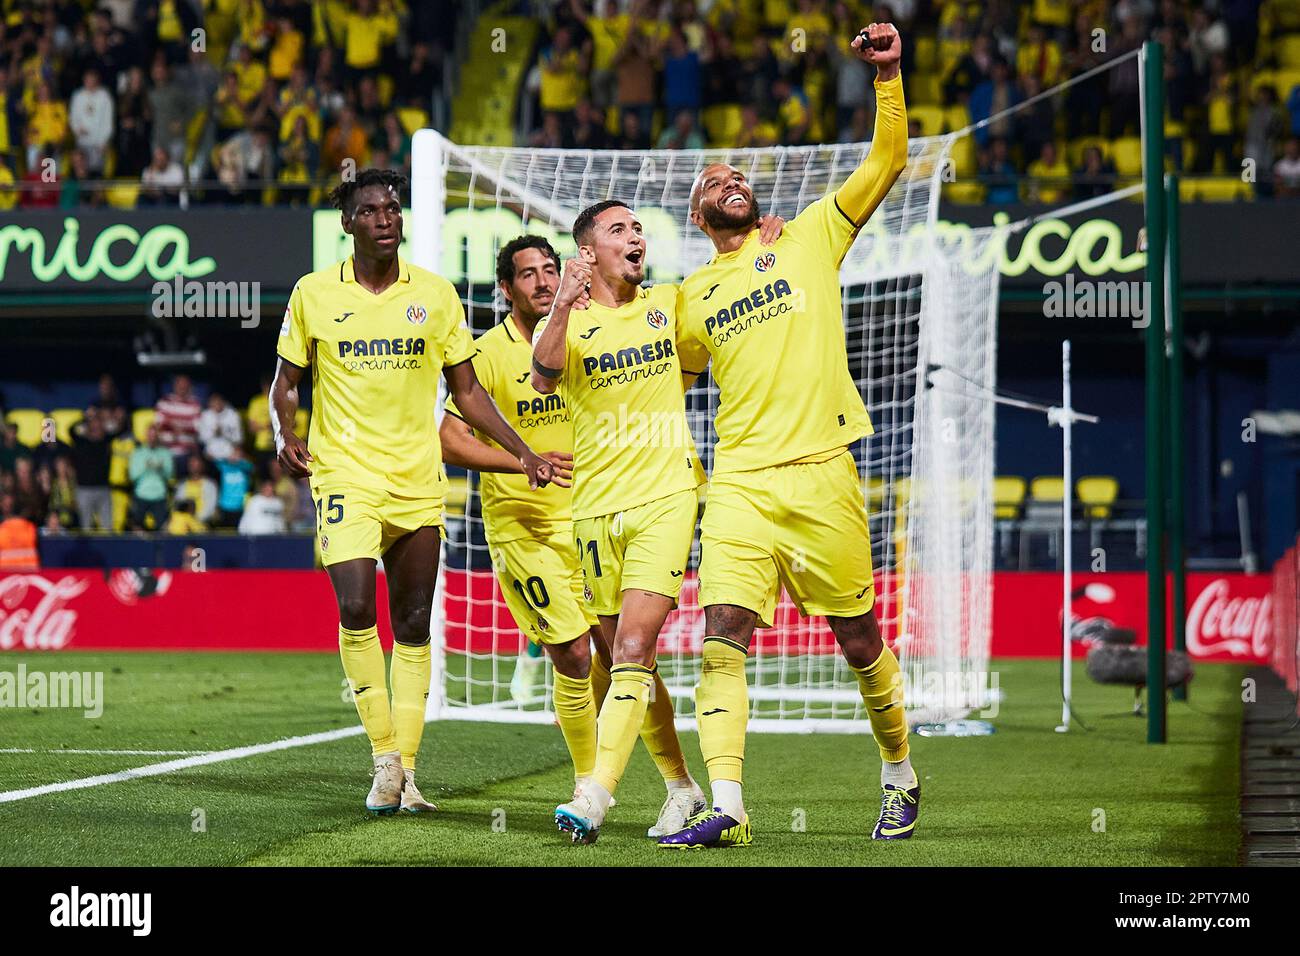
x: 1287, y: 50
x: 964, y: 193
x: 1008, y: 496
x: 955, y: 118
x: 64, y: 420
x: 925, y: 90
x: 1047, y: 488
x: 412, y: 118
x: 1097, y: 494
x: 930, y: 118
x: 119, y: 461
x: 722, y: 123
x: 1127, y: 155
x: 122, y: 196
x: 925, y: 55
x: 141, y: 419
x: 1214, y: 189
x: 457, y: 494
x: 29, y: 422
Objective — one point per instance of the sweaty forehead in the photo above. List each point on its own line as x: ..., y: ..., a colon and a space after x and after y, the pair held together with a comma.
x: 614, y: 215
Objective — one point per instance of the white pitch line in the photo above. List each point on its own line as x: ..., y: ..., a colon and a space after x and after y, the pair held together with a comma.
x: 133, y: 753
x: 171, y: 766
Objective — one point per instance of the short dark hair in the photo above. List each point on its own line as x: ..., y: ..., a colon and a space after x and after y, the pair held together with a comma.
x: 344, y: 195
x: 506, y: 257
x: 586, y: 220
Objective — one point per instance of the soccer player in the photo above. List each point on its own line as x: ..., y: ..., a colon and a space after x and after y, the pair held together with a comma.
x: 785, y: 500
x: 530, y: 532
x: 635, y: 470
x: 377, y: 332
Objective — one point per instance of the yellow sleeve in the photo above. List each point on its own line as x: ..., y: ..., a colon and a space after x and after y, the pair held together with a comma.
x: 868, y: 184
x: 691, y: 352
x: 458, y: 344
x: 294, y: 345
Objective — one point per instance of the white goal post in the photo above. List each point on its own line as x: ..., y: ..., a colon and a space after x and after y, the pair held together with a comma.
x: 919, y: 306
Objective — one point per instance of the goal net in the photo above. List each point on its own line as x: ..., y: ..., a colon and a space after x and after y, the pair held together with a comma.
x: 919, y: 308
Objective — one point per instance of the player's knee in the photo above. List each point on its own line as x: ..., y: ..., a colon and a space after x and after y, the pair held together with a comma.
x: 411, y: 624
x: 572, y: 659
x: 635, y: 646
x: 356, y: 612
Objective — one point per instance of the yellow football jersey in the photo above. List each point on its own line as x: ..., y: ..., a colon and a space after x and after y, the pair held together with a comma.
x: 623, y: 386
x: 375, y: 362
x: 770, y: 319
x: 512, y: 510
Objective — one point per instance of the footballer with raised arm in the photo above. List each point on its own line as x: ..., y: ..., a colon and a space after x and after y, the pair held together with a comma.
x: 377, y: 332
x: 530, y: 531
x: 608, y: 348
x: 785, y: 499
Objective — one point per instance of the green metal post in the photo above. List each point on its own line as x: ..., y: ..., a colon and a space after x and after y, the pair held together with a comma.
x: 1177, y: 506
x: 1152, y: 63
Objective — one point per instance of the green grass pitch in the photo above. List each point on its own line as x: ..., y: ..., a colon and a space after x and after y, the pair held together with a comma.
x: 1025, y: 795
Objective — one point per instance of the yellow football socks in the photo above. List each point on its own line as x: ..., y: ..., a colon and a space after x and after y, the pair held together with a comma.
x: 411, y: 667
x: 363, y: 663
x: 620, y: 721
x: 722, y: 708
x: 599, y: 679
x: 660, y: 733
x: 881, y: 685
x: 575, y: 709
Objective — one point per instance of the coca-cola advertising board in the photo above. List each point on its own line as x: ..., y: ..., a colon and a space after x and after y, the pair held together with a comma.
x: 1229, y: 616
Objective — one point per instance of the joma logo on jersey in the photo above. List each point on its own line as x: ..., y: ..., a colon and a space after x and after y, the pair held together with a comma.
x: 656, y: 319
x: 381, y: 347
x: 539, y: 405
x: 764, y: 262
x: 755, y: 300
x: 626, y: 358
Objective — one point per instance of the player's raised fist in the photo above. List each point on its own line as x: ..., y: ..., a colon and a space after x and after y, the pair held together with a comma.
x: 880, y: 45
x: 575, y: 285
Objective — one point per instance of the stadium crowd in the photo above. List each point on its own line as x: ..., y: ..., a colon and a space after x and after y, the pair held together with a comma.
x: 220, y: 101
x: 685, y: 74
x: 182, y: 467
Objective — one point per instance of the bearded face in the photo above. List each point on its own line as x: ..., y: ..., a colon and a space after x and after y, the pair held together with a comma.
x: 726, y: 201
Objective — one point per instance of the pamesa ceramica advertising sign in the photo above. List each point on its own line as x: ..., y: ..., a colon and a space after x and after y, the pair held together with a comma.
x: 131, y: 250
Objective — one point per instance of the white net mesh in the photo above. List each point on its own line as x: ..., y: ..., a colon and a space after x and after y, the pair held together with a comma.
x: 914, y: 296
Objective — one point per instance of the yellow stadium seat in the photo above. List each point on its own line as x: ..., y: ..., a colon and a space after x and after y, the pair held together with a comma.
x: 926, y: 89
x: 1127, y: 154
x: 119, y: 462
x: 930, y: 118
x: 1215, y: 189
x: 30, y: 422
x: 1047, y: 488
x: 141, y: 419
x: 121, y: 504
x: 64, y: 420
x: 457, y: 494
x: 964, y: 193
x: 1287, y: 49
x: 1008, y: 496
x: 412, y: 119
x: 1187, y: 190
x: 123, y: 196
x: 722, y: 124
x: 1097, y: 494
x: 955, y: 118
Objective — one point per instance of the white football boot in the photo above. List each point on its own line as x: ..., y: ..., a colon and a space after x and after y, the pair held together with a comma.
x: 385, y: 795
x: 412, y: 800
x: 682, y: 804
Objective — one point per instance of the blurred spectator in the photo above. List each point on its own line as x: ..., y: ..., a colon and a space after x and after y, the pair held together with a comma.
x: 1215, y: 155
x: 1095, y: 177
x: 859, y: 128
x: 972, y: 70
x: 345, y: 140
x: 245, y: 162
x: 177, y: 417
x: 991, y: 98
x: 1286, y: 171
x: 198, y: 488
x: 112, y: 413
x: 722, y: 72
x: 1054, y: 174
x: 236, y: 478
x: 1035, y: 124
x: 90, y: 114
x: 183, y: 521
x: 30, y: 499
x: 562, y: 69
x: 635, y: 62
x: 78, y: 187
x: 219, y: 428
x: 259, y: 419
x: 11, y: 449
x: 171, y: 108
x: 999, y: 174
x: 755, y: 132
x: 418, y: 77
x: 683, y: 87
x: 1123, y: 99
x: 290, y: 492
x: 603, y: 25
x: 264, y: 513
x: 551, y: 135
x: 682, y: 134
x: 47, y: 125
x: 589, y: 128
x: 63, y: 493
x: 150, y: 471
x: 17, y: 539
x: 793, y: 115
x: 853, y: 76
x: 162, y: 181
x: 8, y: 182
x: 91, y: 456
x: 368, y: 29
x: 41, y: 188
x: 1265, y: 127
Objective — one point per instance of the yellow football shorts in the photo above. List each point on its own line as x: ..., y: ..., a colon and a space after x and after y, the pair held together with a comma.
x: 542, y: 584
x: 799, y: 525
x: 353, y: 522
x: 645, y: 547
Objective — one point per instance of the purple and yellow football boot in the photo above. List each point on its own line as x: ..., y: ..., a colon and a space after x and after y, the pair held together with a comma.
x: 899, y: 808
x: 711, y: 829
